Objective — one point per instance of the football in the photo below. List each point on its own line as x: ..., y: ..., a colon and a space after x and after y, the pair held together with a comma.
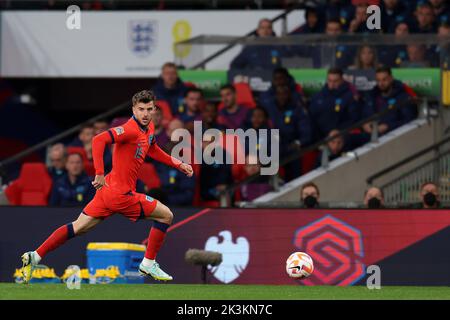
x: 299, y: 265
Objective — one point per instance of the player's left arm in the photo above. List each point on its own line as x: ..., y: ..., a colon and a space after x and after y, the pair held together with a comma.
x: 159, y: 155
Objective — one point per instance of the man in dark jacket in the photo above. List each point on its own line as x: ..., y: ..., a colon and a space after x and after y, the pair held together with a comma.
x: 280, y: 77
x: 177, y: 187
x: 74, y: 188
x: 169, y: 87
x: 336, y: 106
x: 260, y: 56
x: 387, y: 94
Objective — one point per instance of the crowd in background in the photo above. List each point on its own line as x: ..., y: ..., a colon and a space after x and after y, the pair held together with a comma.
x: 301, y: 120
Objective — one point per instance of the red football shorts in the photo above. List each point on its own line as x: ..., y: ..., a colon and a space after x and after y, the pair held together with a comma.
x: 132, y: 205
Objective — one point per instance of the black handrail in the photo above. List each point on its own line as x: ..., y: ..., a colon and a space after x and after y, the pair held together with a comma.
x: 202, y: 63
x: 62, y: 135
x: 324, y: 141
x: 406, y: 160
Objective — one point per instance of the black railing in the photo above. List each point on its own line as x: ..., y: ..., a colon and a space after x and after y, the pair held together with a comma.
x: 238, y: 40
x: 434, y: 147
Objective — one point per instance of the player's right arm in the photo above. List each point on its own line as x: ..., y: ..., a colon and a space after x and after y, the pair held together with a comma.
x: 114, y: 135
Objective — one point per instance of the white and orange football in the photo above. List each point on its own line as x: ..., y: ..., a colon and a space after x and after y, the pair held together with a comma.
x: 299, y: 265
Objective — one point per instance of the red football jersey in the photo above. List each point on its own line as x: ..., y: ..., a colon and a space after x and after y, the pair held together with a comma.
x: 132, y: 143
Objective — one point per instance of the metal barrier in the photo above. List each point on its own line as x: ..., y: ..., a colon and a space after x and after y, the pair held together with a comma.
x: 406, y: 188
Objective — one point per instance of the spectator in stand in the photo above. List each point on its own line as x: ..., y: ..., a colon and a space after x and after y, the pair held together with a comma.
x: 190, y: 111
x: 434, y: 53
x: 75, y: 187
x: 340, y: 10
x: 430, y: 196
x: 441, y: 10
x: 160, y: 134
x: 84, y: 139
x: 374, y: 198
x: 394, y: 55
x: 57, y: 156
x: 169, y: 87
x: 290, y: 117
x: 214, y: 177
x: 387, y: 94
x: 313, y: 24
x: 424, y: 20
x: 259, y: 119
x: 100, y: 126
x: 310, y: 195
x: 232, y: 115
x: 171, y: 127
x: 280, y: 77
x: 336, y: 106
x: 177, y: 188
x: 336, y: 147
x: 260, y: 56
x: 390, y: 9
x: 358, y: 23
x: 366, y: 59
x: 257, y: 187
x: 342, y: 54
x: 209, y: 118
x: 416, y: 57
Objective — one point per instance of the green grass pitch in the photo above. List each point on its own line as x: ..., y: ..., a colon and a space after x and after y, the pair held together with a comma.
x: 12, y: 291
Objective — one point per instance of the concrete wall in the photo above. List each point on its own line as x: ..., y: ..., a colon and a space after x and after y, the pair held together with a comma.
x: 345, y: 179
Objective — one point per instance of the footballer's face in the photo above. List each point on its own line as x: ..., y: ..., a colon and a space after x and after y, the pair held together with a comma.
x: 143, y: 112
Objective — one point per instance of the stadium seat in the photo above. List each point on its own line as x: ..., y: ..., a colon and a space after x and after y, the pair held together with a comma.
x: 299, y: 89
x: 32, y: 188
x: 149, y: 176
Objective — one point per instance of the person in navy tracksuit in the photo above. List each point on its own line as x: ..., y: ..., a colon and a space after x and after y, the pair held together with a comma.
x: 336, y: 106
x: 290, y: 117
x: 73, y: 188
x: 387, y: 94
x: 313, y: 24
x: 169, y: 87
x: 178, y: 189
x: 280, y: 77
x: 260, y: 56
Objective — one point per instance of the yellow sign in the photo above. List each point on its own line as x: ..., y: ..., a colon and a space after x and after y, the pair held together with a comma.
x: 181, y: 31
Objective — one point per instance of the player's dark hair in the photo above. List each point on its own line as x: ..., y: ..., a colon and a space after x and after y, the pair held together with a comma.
x: 384, y: 69
x: 336, y: 71
x: 196, y: 90
x: 228, y: 87
x: 144, y: 96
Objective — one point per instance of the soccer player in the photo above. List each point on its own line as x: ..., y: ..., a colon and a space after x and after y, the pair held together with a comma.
x: 116, y: 192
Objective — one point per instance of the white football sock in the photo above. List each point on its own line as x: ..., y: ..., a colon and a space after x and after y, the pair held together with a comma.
x: 148, y: 262
x: 37, y: 258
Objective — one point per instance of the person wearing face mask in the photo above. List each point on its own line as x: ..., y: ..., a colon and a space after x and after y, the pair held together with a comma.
x: 429, y: 195
x: 374, y: 198
x: 309, y: 195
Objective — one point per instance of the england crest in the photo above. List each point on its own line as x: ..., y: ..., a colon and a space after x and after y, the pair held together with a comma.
x: 142, y: 36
